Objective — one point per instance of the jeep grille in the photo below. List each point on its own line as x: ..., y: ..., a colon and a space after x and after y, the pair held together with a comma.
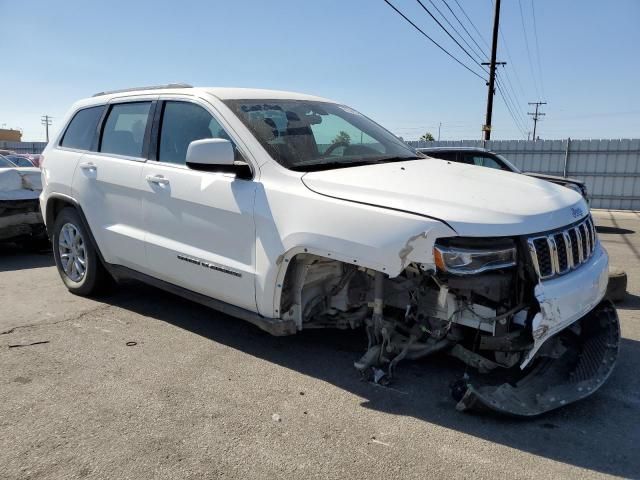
x: 563, y: 250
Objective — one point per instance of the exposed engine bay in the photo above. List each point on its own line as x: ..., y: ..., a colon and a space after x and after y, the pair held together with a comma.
x: 477, y: 309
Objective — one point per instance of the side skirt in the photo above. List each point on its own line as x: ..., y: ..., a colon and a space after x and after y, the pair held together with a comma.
x: 274, y: 326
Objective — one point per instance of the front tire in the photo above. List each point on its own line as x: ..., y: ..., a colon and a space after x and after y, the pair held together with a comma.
x: 75, y: 255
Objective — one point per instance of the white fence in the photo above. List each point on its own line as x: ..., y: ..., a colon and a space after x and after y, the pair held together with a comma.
x: 610, y: 168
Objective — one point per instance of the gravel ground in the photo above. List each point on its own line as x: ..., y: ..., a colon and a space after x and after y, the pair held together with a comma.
x: 142, y: 384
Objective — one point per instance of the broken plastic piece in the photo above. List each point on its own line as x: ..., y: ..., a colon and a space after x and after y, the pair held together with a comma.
x: 550, y: 383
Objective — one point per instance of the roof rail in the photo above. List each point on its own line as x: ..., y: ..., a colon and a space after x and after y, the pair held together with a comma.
x: 152, y: 87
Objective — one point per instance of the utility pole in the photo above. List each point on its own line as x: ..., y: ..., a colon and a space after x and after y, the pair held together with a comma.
x: 536, y: 115
x: 439, y: 125
x: 46, y: 121
x: 492, y: 72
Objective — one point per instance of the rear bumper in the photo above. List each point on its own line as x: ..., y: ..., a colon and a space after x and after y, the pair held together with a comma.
x: 20, y: 218
x: 576, y: 365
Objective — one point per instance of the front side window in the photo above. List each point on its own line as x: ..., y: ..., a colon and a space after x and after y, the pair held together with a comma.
x: 486, y: 161
x: 82, y: 129
x: 182, y: 123
x: 308, y: 135
x: 123, y: 132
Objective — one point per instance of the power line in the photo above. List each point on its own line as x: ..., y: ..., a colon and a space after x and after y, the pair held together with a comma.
x: 472, y: 24
x: 465, y: 28
x: 512, y: 106
x: 515, y: 71
x: 504, y: 91
x: 449, y: 34
x: 513, y: 65
x: 508, y: 87
x: 526, y: 42
x: 515, y: 121
x: 433, y: 41
x: 518, y: 119
x: 535, y: 34
x: 481, y: 56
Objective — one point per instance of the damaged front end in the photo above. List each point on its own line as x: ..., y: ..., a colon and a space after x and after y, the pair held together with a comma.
x: 524, y: 314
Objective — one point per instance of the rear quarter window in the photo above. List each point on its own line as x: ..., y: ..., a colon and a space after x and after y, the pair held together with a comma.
x: 81, y: 132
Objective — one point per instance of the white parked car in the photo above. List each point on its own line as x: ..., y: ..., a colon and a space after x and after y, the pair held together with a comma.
x: 292, y: 212
x: 20, y: 218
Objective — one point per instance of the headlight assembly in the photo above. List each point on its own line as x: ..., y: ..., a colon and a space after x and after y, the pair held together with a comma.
x: 463, y: 261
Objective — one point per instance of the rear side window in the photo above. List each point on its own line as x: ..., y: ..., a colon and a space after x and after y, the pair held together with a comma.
x: 124, y: 129
x: 82, y: 129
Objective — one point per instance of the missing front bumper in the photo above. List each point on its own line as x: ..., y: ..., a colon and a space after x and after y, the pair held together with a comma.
x: 590, y: 353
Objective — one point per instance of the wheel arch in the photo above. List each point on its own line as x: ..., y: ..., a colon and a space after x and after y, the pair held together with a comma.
x: 55, y: 204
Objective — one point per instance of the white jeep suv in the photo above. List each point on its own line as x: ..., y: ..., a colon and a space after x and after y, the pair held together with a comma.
x: 293, y: 212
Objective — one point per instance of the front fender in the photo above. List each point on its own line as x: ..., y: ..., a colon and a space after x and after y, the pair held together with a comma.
x: 293, y: 221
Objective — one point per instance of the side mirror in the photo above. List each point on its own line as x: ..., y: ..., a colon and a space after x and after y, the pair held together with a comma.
x: 209, y: 152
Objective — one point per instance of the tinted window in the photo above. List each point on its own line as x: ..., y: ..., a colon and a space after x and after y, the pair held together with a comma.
x: 20, y: 161
x: 182, y: 123
x: 81, y: 130
x: 123, y: 132
x: 5, y: 163
x: 451, y: 156
x: 486, y: 161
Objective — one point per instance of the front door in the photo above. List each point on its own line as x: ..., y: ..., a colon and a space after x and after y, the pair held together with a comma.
x: 200, y: 232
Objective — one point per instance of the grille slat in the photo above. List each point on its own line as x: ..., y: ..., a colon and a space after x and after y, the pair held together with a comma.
x: 561, y: 251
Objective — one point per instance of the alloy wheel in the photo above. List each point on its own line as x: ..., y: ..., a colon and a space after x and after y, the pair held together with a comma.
x: 73, y: 254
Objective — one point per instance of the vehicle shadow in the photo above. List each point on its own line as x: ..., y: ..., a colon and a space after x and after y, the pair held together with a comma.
x: 630, y: 302
x: 15, y: 257
x: 613, y: 230
x: 600, y: 433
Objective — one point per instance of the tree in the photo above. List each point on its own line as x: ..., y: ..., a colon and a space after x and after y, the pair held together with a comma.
x: 427, y: 137
x: 342, y: 138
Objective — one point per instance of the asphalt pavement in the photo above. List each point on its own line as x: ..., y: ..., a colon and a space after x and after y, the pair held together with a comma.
x: 142, y: 384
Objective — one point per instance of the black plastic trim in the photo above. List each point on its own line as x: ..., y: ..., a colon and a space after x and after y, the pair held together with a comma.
x: 274, y: 326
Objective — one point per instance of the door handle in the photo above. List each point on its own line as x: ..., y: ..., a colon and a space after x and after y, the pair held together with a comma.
x: 157, y: 179
x: 88, y: 166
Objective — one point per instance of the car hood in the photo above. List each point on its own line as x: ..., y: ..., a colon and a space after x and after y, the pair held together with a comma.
x: 474, y: 201
x: 554, y: 178
x: 20, y: 183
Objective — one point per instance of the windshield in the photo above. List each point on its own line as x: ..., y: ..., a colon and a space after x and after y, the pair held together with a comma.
x: 307, y: 135
x: 20, y: 161
x: 5, y: 163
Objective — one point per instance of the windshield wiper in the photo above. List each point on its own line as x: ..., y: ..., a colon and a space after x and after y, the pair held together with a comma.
x: 315, y: 166
x: 310, y: 167
x: 395, y: 159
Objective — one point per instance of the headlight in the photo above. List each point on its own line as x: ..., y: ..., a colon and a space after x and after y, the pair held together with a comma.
x: 462, y: 261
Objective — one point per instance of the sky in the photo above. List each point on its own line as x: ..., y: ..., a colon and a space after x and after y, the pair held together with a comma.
x: 585, y: 63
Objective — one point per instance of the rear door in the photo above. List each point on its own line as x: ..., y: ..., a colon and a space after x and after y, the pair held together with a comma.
x: 200, y: 231
x: 108, y: 182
